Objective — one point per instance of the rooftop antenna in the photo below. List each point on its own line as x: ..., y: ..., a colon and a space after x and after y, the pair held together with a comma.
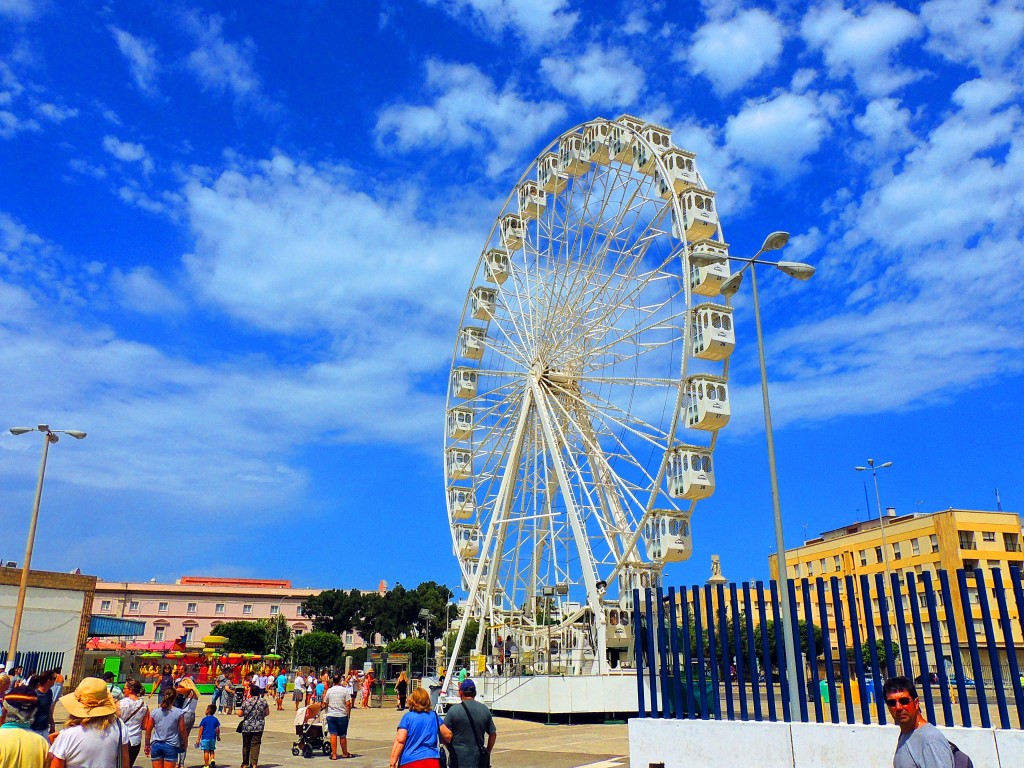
x: 999, y: 502
x: 867, y: 501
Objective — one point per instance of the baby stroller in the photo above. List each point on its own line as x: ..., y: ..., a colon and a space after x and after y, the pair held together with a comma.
x: 311, y: 738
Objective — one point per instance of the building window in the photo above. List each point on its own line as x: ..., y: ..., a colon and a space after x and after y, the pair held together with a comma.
x: 192, y: 608
x: 274, y: 610
x: 298, y: 632
x: 988, y: 535
x: 298, y: 611
x: 967, y: 540
x: 896, y: 551
x: 992, y: 563
x: 188, y: 634
x: 878, y: 554
x: 837, y: 562
x: 934, y: 539
x: 1011, y: 541
x: 247, y: 609
x: 863, y: 557
x: 810, y: 568
x: 161, y: 607
x: 219, y: 608
x: 159, y: 633
x: 348, y: 638
x: 915, y: 545
x: 104, y: 606
x: 133, y: 605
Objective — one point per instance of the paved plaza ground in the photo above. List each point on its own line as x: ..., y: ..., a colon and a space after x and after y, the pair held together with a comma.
x: 521, y: 743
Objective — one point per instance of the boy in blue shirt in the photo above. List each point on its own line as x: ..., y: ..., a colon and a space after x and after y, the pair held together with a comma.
x: 209, y: 735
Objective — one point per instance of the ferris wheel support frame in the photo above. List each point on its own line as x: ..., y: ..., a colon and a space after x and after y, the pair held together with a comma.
x: 582, y: 545
x: 504, y: 496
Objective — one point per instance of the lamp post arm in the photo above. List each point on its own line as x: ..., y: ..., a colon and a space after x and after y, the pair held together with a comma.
x: 12, y: 651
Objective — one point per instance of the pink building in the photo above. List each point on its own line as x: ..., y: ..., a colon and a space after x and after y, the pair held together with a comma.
x: 195, y: 606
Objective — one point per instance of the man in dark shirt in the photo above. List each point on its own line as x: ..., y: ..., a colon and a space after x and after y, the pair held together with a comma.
x: 42, y: 723
x: 459, y: 732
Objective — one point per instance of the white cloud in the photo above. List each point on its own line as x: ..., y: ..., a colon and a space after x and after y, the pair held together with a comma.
x: 20, y: 10
x: 984, y: 34
x: 780, y: 132
x: 863, y: 45
x: 886, y: 125
x: 468, y: 110
x: 141, y: 56
x: 142, y: 291
x: 221, y: 65
x: 731, y: 52
x: 983, y: 95
x: 597, y: 77
x: 56, y: 113
x: 535, y: 21
x: 128, y: 152
x: 11, y: 124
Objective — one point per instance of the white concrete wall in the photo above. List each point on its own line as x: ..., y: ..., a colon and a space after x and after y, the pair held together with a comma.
x: 50, y: 622
x: 737, y: 744
x: 560, y: 695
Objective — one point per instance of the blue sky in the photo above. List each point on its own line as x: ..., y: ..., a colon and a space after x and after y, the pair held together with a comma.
x: 235, y: 239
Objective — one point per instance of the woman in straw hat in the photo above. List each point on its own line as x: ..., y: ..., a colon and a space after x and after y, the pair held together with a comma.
x: 93, y: 736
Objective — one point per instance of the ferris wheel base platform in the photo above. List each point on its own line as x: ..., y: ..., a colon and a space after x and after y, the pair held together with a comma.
x: 569, y: 696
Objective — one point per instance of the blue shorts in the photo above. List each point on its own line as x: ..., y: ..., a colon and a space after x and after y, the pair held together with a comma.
x: 208, y: 745
x: 161, y: 750
x: 337, y: 726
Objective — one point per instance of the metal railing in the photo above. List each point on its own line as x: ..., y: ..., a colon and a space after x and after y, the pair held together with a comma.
x: 711, y: 652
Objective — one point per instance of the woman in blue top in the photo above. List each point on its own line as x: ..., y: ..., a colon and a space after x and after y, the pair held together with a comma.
x: 416, y: 741
x: 165, y: 732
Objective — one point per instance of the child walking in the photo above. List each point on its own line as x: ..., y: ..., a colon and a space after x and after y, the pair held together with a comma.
x: 209, y: 735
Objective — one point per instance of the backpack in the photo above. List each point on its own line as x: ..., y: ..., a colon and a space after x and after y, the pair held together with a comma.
x: 960, y: 759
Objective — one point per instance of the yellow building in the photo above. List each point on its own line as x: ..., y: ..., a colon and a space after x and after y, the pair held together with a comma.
x: 917, y: 543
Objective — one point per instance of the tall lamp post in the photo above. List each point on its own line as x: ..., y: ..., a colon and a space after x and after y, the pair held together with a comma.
x: 773, y: 242
x: 426, y: 615
x: 49, y: 436
x: 881, y: 520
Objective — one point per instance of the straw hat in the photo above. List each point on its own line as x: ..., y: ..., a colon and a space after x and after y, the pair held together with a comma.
x: 187, y: 684
x: 90, y: 699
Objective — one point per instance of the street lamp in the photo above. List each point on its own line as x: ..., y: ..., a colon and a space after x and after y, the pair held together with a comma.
x: 800, y: 271
x: 881, y: 521
x: 427, y: 616
x: 50, y: 436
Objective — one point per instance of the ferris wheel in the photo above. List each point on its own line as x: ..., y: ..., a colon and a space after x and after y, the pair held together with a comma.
x: 587, y: 386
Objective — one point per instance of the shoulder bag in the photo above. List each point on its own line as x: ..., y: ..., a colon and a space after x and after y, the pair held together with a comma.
x: 442, y: 748
x: 485, y: 756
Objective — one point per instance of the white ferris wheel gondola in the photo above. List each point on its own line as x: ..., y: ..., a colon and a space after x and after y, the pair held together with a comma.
x: 586, y: 393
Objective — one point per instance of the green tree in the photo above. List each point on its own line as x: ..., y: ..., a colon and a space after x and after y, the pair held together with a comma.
x: 468, y: 640
x: 772, y: 647
x: 335, y: 610
x: 244, y: 637
x: 318, y: 649
x: 865, y: 652
x: 277, y: 635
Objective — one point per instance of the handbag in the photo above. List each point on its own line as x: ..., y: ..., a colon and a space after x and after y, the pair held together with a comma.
x: 485, y: 755
x: 442, y: 748
x: 238, y: 728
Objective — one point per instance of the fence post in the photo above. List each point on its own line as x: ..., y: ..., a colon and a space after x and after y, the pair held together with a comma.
x: 766, y: 655
x: 712, y: 652
x: 993, y: 652
x: 933, y: 622
x: 844, y: 661
x: 954, y: 644
x: 639, y: 648
x: 869, y: 629
x: 666, y: 700
x: 972, y: 642
x: 687, y: 653
x: 723, y: 651
x: 673, y: 638
x: 858, y: 657
x: 698, y: 630
x: 922, y: 649
x: 741, y: 689
x: 814, y: 690
x: 883, y: 615
x: 826, y: 646
x: 651, y: 658
x: 1011, y: 651
x: 752, y: 653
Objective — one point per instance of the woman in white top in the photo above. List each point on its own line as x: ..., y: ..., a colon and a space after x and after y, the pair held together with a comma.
x: 93, y: 735
x: 133, y: 711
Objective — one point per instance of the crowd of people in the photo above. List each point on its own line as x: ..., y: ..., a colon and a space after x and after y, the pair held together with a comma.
x: 110, y: 724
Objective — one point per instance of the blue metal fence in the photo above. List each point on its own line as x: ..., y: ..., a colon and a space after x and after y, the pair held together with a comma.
x: 714, y: 652
x: 35, y: 661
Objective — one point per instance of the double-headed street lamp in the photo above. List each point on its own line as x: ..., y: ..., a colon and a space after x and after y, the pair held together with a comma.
x: 800, y: 271
x: 50, y: 436
x: 881, y: 520
x: 426, y: 615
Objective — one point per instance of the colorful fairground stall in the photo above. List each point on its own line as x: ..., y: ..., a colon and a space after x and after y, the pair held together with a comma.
x: 145, y: 660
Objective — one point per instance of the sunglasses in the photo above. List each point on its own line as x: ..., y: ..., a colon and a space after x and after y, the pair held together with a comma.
x: 902, y: 700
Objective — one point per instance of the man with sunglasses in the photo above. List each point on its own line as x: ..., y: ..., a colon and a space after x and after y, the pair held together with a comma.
x: 920, y: 745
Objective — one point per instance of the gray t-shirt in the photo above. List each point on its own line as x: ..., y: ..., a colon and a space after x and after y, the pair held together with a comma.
x: 165, y: 725
x: 467, y: 752
x: 924, y: 747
